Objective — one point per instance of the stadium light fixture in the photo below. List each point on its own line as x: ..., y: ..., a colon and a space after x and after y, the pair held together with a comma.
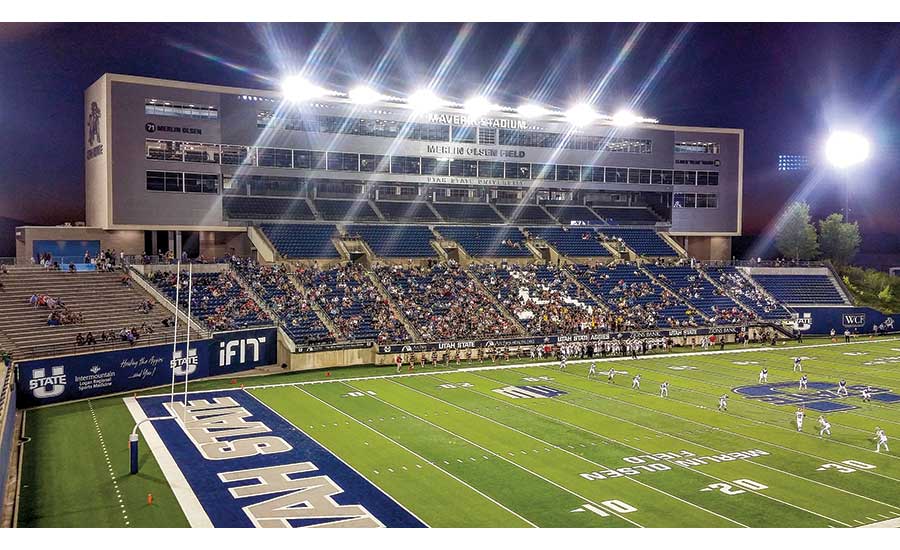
x: 581, y: 115
x: 364, y: 95
x: 478, y: 106
x: 625, y: 118
x: 424, y: 101
x: 296, y: 88
x: 844, y: 149
x: 531, y: 110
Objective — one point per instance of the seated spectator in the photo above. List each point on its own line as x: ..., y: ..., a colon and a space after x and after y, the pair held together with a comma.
x: 89, y: 339
x: 79, y: 339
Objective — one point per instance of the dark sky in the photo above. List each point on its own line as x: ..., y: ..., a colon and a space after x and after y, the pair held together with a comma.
x: 783, y: 83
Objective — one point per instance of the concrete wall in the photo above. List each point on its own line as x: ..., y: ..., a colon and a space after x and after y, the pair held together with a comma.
x: 130, y: 242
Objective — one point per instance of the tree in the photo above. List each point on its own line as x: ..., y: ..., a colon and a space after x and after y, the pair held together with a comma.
x: 839, y: 240
x: 796, y: 235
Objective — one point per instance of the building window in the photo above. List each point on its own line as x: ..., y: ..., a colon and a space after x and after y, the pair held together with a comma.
x: 517, y: 171
x: 159, y: 107
x: 690, y: 178
x: 202, y: 152
x: 712, y: 178
x: 617, y: 175
x: 566, y: 172
x: 464, y: 168
x: 374, y: 163
x: 343, y: 161
x: 274, y: 158
x: 543, y: 171
x: 236, y: 155
x: 435, y: 167
x: 464, y: 134
x: 201, y: 183
x: 158, y: 149
x: 490, y: 169
x: 487, y: 136
x: 310, y: 160
x: 406, y: 165
x: 705, y: 147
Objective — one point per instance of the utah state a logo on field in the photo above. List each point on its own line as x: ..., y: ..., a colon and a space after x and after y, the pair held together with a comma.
x: 821, y: 396
x: 529, y: 392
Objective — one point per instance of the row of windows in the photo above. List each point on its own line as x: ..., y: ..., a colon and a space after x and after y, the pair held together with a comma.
x: 427, y: 166
x: 160, y: 107
x: 182, y: 182
x: 460, y: 134
x: 706, y: 147
x: 691, y: 200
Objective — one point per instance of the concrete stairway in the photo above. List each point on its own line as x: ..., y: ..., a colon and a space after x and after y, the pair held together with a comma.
x: 100, y: 298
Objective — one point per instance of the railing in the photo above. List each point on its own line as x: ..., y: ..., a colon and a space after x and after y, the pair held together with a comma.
x: 762, y: 263
x: 146, y: 259
x: 7, y: 260
x: 51, y: 350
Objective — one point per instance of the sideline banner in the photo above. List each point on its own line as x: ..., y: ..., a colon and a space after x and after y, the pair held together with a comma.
x: 858, y: 320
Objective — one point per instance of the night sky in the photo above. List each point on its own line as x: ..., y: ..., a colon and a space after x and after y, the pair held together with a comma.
x: 784, y: 84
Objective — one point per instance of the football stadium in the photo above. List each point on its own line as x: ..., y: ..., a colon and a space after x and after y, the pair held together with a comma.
x: 310, y: 305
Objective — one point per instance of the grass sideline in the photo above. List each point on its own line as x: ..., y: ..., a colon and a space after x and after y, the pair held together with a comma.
x: 540, y: 488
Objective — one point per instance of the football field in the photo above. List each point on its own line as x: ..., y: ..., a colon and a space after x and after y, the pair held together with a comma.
x: 514, y: 445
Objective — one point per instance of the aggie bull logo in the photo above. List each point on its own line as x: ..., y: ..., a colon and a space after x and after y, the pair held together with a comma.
x: 43, y: 386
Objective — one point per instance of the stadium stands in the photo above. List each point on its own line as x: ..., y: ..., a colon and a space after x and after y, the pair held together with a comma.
x: 352, y: 302
x: 443, y: 302
x: 417, y: 211
x: 487, y: 241
x: 257, y: 208
x: 636, y: 300
x: 104, y: 304
x: 524, y: 214
x: 742, y: 290
x: 543, y: 298
x: 337, y: 209
x: 302, y: 240
x: 467, y: 212
x: 643, y: 241
x: 395, y: 241
x: 694, y: 288
x: 801, y: 289
x: 575, y: 241
x: 626, y: 216
x: 218, y: 300
x: 295, y: 313
x: 568, y: 213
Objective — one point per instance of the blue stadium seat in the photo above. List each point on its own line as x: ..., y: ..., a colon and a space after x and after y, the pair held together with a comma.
x: 801, y: 289
x: 693, y: 287
x: 626, y: 216
x: 743, y: 291
x: 257, y: 208
x: 417, y: 211
x: 349, y: 210
x: 524, y: 213
x: 643, y: 241
x: 302, y: 240
x: 487, y: 241
x: 467, y: 212
x: 573, y: 241
x: 395, y: 241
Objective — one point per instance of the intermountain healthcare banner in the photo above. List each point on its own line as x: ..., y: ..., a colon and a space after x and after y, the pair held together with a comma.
x: 47, y: 381
x: 859, y: 320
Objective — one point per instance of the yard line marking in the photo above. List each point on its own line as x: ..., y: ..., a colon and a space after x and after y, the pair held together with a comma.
x: 489, y: 451
x: 684, y: 419
x: 417, y: 455
x: 706, y: 474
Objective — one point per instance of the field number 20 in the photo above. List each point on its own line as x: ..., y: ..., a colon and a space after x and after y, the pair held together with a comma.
x: 729, y: 489
x: 846, y: 466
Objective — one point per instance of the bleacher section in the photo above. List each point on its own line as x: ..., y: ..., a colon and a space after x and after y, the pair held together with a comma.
x: 487, y: 241
x: 743, y: 291
x: 467, y: 212
x: 643, y: 241
x: 693, y: 287
x: 637, y: 301
x: 352, y: 302
x: 626, y: 216
x: 444, y: 303
x: 574, y: 241
x: 273, y: 285
x: 543, y: 298
x: 801, y: 289
x: 524, y: 214
x: 256, y: 208
x: 395, y: 241
x: 302, y: 240
x: 217, y: 299
x: 336, y: 209
x: 568, y: 213
x: 406, y: 211
x: 103, y: 301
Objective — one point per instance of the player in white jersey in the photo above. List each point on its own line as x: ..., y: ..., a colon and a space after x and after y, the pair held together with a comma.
x: 562, y: 362
x: 798, y: 366
x: 723, y: 403
x: 592, y: 371
x: 664, y: 389
x: 764, y: 375
x: 880, y: 440
x: 842, y: 388
x: 826, y: 427
x: 636, y: 382
x: 800, y: 415
x: 867, y: 393
x: 803, y: 381
x: 611, y: 375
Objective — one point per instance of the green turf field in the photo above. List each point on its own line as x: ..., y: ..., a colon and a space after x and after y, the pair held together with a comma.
x: 456, y: 452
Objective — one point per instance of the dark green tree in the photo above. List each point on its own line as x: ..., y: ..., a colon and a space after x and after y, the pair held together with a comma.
x: 796, y: 236
x: 839, y: 240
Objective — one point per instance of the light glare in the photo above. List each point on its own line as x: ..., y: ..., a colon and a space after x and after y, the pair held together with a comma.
x: 625, y: 118
x: 581, y: 114
x: 296, y: 88
x: 478, y: 106
x: 531, y: 110
x: 424, y: 101
x: 363, y: 95
x: 845, y: 149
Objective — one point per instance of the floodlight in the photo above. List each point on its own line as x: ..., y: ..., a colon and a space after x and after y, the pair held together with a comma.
x: 845, y: 149
x: 625, y: 118
x: 363, y: 95
x: 531, y: 110
x: 581, y: 114
x: 296, y: 88
x: 478, y: 106
x: 424, y: 101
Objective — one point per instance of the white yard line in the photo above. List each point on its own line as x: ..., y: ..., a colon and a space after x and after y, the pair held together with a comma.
x: 185, y: 496
x: 417, y: 455
x: 585, y: 459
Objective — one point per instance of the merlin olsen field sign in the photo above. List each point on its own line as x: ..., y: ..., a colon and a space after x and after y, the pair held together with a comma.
x: 46, y: 381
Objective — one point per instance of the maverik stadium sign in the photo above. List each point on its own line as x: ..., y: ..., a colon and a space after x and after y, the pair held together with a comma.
x: 463, y: 120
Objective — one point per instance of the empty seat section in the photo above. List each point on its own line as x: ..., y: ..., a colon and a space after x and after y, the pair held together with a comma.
x: 626, y: 216
x: 406, y: 211
x: 524, y: 213
x: 801, y: 289
x: 395, y: 241
x: 574, y: 241
x: 333, y: 209
x: 467, y: 212
x: 302, y: 240
x: 643, y: 241
x: 255, y: 208
x: 569, y: 213
x: 744, y: 291
x: 487, y: 241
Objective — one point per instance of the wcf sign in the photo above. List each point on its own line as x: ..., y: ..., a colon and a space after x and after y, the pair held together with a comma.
x: 854, y: 319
